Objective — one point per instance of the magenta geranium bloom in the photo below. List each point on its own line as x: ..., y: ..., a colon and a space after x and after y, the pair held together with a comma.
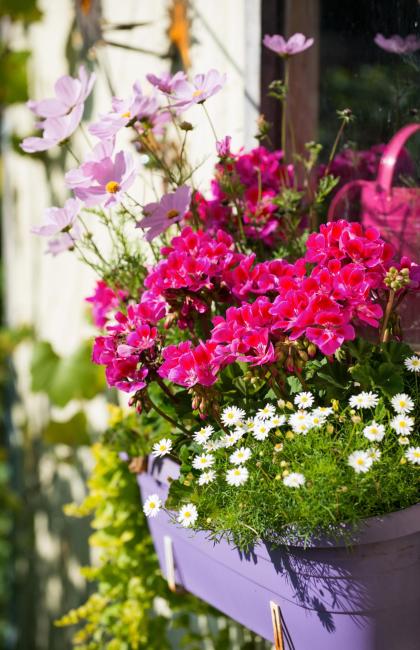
x: 397, y: 44
x: 104, y: 177
x: 62, y: 225
x: 295, y: 44
x: 69, y: 93
x: 203, y: 86
x: 169, y: 210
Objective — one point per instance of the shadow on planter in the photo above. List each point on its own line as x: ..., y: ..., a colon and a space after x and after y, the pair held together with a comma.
x: 330, y: 597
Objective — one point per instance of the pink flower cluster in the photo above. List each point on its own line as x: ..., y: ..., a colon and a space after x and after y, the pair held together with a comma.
x: 129, y: 350
x: 191, y: 274
x: 247, y: 183
x: 104, y: 301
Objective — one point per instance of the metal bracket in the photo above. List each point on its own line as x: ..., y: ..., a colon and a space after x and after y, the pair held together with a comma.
x: 169, y: 562
x: 277, y: 626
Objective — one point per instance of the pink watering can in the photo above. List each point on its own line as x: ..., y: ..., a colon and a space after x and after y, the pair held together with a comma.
x: 395, y: 212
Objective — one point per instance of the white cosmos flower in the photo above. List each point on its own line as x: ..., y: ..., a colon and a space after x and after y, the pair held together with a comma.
x: 364, y: 400
x: 162, y: 447
x: 402, y: 403
x: 232, y: 415
x: 294, y: 480
x: 277, y: 421
x: 374, y: 432
x: 203, y: 434
x: 261, y: 429
x: 402, y: 424
x: 360, y: 461
x: 413, y: 455
x: 304, y: 400
x: 237, y: 476
x: 240, y: 456
x: 413, y: 363
x: 187, y: 516
x: 207, y: 477
x: 152, y: 505
x: 203, y: 461
x: 266, y: 412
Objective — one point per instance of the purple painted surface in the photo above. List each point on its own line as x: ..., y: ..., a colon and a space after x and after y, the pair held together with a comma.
x: 330, y: 598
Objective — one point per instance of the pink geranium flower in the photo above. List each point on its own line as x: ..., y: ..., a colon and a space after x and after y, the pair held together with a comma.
x: 61, y: 224
x: 104, y: 300
x: 203, y: 86
x: 62, y: 114
x: 170, y: 209
x: 104, y: 177
x: 397, y: 44
x: 294, y: 45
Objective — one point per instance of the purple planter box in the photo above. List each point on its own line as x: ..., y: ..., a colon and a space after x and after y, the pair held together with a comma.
x: 330, y: 597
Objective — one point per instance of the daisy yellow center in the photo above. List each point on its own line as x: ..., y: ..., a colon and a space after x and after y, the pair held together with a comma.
x: 198, y: 93
x: 171, y: 214
x: 403, y: 423
x: 237, y: 472
x: 187, y: 514
x: 360, y: 461
x: 230, y: 416
x: 402, y: 402
x: 416, y: 454
x: 127, y: 114
x: 112, y: 187
x: 203, y: 461
x: 152, y: 504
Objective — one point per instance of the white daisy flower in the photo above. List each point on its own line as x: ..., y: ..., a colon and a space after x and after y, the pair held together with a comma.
x: 413, y: 455
x: 212, y: 445
x: 249, y: 424
x: 364, y: 400
x: 203, y: 434
x: 374, y: 453
x: 240, y: 456
x: 324, y: 411
x: 412, y: 363
x: 203, y: 461
x: 187, y: 516
x: 277, y: 421
x: 304, y: 400
x: 237, y: 476
x: 266, y: 412
x: 294, y: 480
x: 261, y: 429
x: 402, y: 403
x: 152, y: 505
x: 374, y: 432
x: 317, y: 420
x: 360, y: 461
x: 207, y: 477
x: 402, y: 424
x: 403, y: 440
x: 162, y: 447
x: 229, y: 440
x: 300, y: 421
x: 232, y: 415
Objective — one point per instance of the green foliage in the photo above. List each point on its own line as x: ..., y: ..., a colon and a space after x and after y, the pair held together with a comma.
x: 65, y: 378
x: 13, y: 76
x: 120, y: 614
x: 25, y: 11
x: 73, y: 432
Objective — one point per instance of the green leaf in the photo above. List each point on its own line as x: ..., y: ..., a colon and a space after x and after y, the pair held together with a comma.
x: 72, y: 433
x: 388, y: 378
x: 65, y: 378
x: 20, y: 10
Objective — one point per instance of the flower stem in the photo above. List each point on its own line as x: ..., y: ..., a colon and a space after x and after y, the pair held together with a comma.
x: 284, y: 111
x: 209, y: 120
x: 167, y: 417
x: 384, y: 336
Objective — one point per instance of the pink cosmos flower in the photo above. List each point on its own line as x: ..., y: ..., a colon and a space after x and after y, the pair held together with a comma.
x: 55, y: 130
x: 104, y: 177
x: 295, y: 44
x: 138, y: 107
x: 397, y: 44
x: 61, y: 224
x: 203, y: 86
x: 69, y: 93
x: 170, y: 209
x: 166, y: 82
x: 62, y: 114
